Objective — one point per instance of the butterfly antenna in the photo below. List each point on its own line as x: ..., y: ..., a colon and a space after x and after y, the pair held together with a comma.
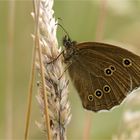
x: 63, y: 29
x: 59, y: 19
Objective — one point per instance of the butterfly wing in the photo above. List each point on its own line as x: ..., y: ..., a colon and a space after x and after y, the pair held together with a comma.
x: 104, y: 74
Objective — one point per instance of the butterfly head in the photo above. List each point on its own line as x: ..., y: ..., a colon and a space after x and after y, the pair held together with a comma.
x: 67, y: 43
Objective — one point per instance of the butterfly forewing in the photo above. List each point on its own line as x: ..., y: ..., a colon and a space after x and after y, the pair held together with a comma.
x: 103, y: 74
x: 117, y: 54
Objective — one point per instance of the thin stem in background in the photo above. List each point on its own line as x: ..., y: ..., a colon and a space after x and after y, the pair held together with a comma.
x: 99, y: 35
x: 44, y: 94
x: 101, y: 21
x: 9, y: 74
x: 30, y: 94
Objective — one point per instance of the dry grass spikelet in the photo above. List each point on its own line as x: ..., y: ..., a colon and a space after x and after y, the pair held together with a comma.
x: 57, y: 89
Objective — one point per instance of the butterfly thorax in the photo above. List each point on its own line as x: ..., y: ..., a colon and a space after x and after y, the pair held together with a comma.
x: 70, y: 49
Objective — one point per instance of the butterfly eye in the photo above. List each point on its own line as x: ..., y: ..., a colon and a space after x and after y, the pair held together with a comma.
x: 108, y: 72
x: 67, y: 43
x: 98, y: 93
x: 112, y: 67
x: 127, y: 62
x: 90, y: 97
x: 106, y: 89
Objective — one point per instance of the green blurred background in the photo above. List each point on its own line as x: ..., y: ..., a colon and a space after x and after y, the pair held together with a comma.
x: 80, y: 18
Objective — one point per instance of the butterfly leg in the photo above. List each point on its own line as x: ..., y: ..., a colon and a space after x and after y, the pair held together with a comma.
x: 66, y: 68
x: 61, y: 53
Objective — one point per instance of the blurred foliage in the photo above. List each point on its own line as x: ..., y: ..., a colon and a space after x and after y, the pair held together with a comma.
x: 79, y: 17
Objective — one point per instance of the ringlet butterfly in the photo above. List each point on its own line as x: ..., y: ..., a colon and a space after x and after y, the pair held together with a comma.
x: 103, y: 74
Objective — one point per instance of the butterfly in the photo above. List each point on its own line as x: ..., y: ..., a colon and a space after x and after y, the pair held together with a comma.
x: 103, y: 74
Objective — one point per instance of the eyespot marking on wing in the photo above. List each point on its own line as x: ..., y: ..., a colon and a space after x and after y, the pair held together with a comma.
x: 108, y: 72
x: 98, y: 93
x: 126, y: 62
x: 106, y: 89
x: 90, y: 97
x: 112, y: 67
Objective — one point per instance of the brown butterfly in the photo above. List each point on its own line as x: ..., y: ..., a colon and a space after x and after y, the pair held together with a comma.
x: 103, y: 74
